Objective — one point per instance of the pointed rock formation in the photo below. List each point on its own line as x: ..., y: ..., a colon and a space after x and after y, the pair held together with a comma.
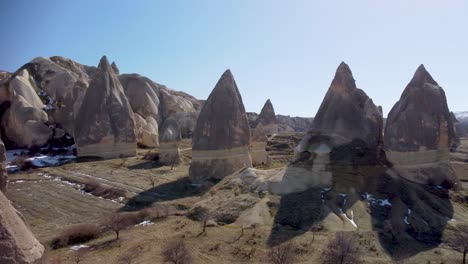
x: 115, y: 68
x: 267, y: 125
x: 220, y: 144
x: 170, y: 138
x: 419, y: 132
x: 268, y: 119
x: 107, y: 126
x: 347, y: 111
x: 345, y: 133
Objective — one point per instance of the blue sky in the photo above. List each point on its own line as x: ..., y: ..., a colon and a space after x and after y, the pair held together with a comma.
x: 287, y: 51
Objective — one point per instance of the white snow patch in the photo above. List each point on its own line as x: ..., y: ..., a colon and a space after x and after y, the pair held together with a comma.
x: 406, y: 220
x: 351, y: 220
x: 145, y: 223
x: 372, y: 200
x: 78, y: 247
x: 44, y: 160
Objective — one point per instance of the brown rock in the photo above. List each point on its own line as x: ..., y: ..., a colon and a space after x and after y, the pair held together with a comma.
x: 3, y: 170
x: 268, y: 119
x: 107, y: 127
x: 419, y: 132
x: 220, y: 144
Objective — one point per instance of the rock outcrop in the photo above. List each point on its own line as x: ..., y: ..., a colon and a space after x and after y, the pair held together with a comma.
x: 25, y: 121
x: 170, y: 138
x: 419, y: 132
x: 3, y: 170
x: 347, y: 128
x: 220, y: 144
x: 107, y: 125
x: 142, y: 94
x: 266, y: 126
x: 17, y: 244
x: 115, y: 68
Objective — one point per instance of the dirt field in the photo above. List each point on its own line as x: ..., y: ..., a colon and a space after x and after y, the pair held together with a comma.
x: 52, y: 199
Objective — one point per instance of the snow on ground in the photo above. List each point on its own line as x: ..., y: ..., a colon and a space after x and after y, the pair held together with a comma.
x: 39, y: 160
x: 78, y: 247
x: 372, y: 200
x: 145, y: 223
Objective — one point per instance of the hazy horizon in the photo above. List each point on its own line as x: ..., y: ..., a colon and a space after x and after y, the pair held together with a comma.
x: 288, y: 53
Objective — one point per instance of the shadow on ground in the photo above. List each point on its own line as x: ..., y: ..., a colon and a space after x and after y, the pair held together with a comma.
x: 177, y: 189
x: 413, y: 222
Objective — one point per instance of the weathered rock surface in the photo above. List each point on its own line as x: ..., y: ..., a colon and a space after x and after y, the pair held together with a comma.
x: 268, y: 119
x: 107, y: 125
x: 347, y: 128
x: 419, y: 132
x: 17, y: 244
x: 285, y: 123
x: 170, y: 138
x: 143, y: 97
x: 462, y: 125
x: 61, y: 84
x: 220, y: 143
x: 3, y: 170
x: 173, y: 102
x: 115, y: 68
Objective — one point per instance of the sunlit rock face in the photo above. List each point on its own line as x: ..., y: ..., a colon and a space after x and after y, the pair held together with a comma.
x: 266, y: 125
x: 220, y: 144
x: 169, y: 138
x: 17, y: 244
x: 142, y: 93
x: 107, y: 126
x: 419, y: 132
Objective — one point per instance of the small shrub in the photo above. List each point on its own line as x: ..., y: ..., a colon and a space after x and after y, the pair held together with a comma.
x: 98, y: 189
x: 282, y: 254
x: 177, y: 252
x: 341, y: 250
x: 76, y: 234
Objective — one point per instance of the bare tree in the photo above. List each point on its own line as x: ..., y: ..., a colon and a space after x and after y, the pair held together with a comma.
x: 205, y: 217
x: 177, y: 252
x: 282, y: 254
x: 341, y: 250
x: 118, y: 222
x: 459, y: 241
x: 314, y: 229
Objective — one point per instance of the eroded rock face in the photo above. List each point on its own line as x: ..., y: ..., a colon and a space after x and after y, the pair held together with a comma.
x: 170, y: 138
x: 347, y: 128
x: 220, y: 143
x: 107, y: 126
x: 419, y: 132
x: 18, y: 245
x: 61, y: 84
x: 173, y: 102
x: 3, y: 170
x: 267, y: 118
x: 26, y: 126
x: 143, y: 97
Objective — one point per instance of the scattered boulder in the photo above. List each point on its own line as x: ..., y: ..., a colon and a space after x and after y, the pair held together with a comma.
x: 419, y: 132
x: 107, y: 127
x: 220, y: 144
x: 170, y: 138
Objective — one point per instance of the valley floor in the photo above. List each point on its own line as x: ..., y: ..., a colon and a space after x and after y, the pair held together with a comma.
x: 51, y: 199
